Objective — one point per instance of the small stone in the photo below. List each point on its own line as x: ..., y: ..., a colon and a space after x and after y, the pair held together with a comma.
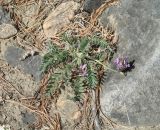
x: 68, y: 110
x: 76, y: 115
x: 67, y: 107
x: 4, y: 16
x: 7, y: 31
x: 28, y: 118
x: 59, y: 18
x: 28, y: 14
x: 90, y: 5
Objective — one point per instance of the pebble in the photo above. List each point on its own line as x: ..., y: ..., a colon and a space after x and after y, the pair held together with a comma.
x: 7, y: 31
x: 59, y: 18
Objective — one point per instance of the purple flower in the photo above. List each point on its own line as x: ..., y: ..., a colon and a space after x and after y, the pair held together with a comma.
x: 83, y: 70
x: 122, y: 63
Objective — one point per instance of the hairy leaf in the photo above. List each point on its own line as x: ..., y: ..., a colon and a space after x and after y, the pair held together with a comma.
x: 92, y: 78
x: 83, y: 44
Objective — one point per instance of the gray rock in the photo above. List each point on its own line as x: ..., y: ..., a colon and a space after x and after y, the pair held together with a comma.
x: 135, y: 99
x: 7, y: 31
x: 30, y: 65
x: 90, y: 5
x: 4, y: 16
x: 28, y: 118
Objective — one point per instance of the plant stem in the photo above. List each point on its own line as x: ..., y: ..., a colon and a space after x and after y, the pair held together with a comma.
x: 94, y: 111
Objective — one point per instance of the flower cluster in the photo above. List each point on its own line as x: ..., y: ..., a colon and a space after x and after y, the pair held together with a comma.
x: 83, y: 70
x: 122, y: 63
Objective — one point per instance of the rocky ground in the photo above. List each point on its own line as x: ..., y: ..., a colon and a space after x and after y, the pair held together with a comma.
x: 21, y: 49
x: 26, y: 27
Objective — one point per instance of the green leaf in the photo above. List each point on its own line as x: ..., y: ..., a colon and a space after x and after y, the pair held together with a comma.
x: 69, y: 39
x: 98, y: 41
x: 84, y: 43
x: 53, y: 58
x: 92, y: 77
